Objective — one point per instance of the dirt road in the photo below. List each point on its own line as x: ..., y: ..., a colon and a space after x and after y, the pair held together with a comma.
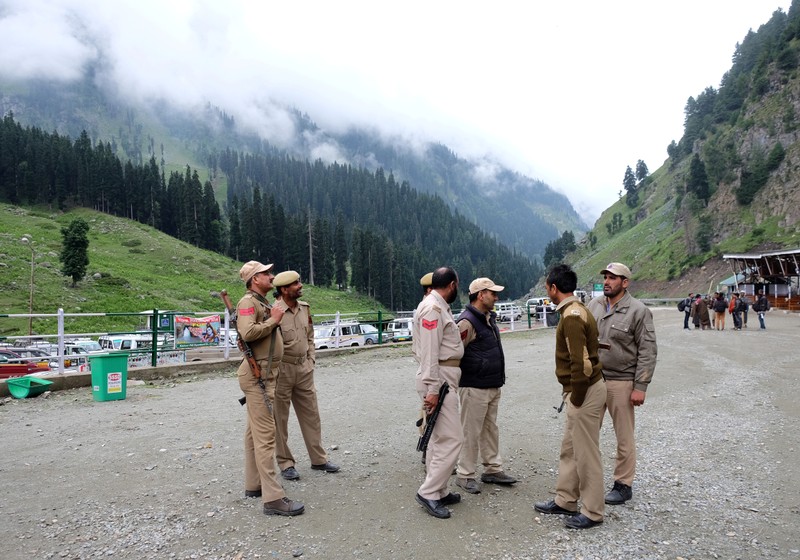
x: 159, y: 474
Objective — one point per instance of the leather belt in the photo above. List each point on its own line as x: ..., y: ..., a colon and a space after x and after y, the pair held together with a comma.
x: 453, y: 362
x: 296, y: 360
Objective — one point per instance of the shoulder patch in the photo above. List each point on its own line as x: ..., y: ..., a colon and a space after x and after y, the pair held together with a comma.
x: 248, y: 311
x: 575, y: 312
x: 430, y: 325
x: 463, y: 335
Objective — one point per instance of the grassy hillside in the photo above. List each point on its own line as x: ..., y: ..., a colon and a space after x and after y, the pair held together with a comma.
x: 132, y: 268
x: 658, y: 238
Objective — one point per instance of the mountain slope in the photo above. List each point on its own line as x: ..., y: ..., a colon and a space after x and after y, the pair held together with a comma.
x: 479, y: 190
x: 731, y: 185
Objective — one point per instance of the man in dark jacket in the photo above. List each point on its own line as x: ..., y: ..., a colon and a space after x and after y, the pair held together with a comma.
x: 578, y: 369
x: 687, y: 309
x: 482, y: 375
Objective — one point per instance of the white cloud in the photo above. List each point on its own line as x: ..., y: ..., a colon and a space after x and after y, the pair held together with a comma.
x: 570, y: 93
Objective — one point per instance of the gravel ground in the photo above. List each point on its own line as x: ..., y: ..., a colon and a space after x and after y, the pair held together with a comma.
x: 159, y: 474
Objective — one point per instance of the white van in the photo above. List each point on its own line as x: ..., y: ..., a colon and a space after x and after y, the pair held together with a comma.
x: 125, y: 342
x: 400, y: 330
x: 538, y: 305
x: 508, y: 311
x: 333, y: 336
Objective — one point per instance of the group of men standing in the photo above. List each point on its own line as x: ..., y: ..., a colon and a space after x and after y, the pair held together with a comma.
x: 605, y: 357
x: 466, y: 353
x: 710, y: 313
x: 604, y: 360
x: 281, y: 339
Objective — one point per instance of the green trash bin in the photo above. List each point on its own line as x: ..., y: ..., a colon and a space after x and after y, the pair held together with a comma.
x: 109, y: 375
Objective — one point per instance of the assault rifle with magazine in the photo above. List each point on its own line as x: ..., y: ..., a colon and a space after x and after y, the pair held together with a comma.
x: 244, y: 347
x: 430, y: 420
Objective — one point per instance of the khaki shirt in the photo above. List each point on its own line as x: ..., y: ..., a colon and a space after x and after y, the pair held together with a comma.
x: 297, y: 330
x: 436, y: 339
x: 628, y: 329
x: 257, y: 328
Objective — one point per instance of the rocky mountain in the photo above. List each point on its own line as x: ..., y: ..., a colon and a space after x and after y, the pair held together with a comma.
x: 731, y: 183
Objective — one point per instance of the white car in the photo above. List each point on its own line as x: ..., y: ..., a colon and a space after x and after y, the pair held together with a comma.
x: 508, y: 311
x: 400, y: 330
x: 333, y: 336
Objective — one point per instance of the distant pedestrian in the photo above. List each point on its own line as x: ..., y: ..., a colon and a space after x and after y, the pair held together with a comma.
x: 720, y: 306
x: 687, y: 309
x: 735, y: 310
x: 761, y: 306
x: 745, y: 308
x: 700, y: 315
x: 578, y: 370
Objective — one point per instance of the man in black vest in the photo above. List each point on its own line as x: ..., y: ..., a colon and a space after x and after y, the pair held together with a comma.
x: 483, y: 372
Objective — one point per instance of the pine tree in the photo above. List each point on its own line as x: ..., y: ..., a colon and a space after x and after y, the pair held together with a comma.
x: 74, y: 253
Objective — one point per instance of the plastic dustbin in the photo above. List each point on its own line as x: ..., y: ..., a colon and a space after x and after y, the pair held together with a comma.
x: 109, y: 375
x: 22, y: 387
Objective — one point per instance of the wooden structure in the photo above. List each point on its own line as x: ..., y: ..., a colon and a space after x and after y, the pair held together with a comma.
x: 777, y: 273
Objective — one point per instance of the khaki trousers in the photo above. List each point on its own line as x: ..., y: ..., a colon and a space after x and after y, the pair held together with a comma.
x: 446, y: 439
x: 481, y: 435
x: 622, y: 416
x: 580, y: 468
x: 259, y: 436
x: 295, y: 387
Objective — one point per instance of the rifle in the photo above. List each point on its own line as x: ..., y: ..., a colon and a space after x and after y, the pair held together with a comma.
x: 422, y: 444
x: 245, y: 349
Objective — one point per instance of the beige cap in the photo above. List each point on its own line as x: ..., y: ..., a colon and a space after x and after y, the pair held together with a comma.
x: 484, y: 284
x: 426, y: 280
x: 617, y: 269
x: 252, y: 268
x: 285, y: 278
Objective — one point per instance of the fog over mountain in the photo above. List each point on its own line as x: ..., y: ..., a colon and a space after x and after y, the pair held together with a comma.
x: 567, y: 94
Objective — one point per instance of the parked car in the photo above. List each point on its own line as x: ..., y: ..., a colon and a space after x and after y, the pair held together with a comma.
x: 36, y: 355
x: 538, y: 305
x: 333, y: 336
x: 370, y: 334
x: 400, y: 330
x: 14, y: 365
x: 84, y: 345
x: 508, y: 311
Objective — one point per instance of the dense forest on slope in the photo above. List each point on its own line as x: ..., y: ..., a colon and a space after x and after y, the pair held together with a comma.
x: 336, y: 218
x: 731, y: 183
x: 480, y: 189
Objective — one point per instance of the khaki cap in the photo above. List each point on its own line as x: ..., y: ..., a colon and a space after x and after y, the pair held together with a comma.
x: 252, y: 268
x: 285, y: 278
x: 426, y: 280
x: 617, y: 269
x: 484, y: 284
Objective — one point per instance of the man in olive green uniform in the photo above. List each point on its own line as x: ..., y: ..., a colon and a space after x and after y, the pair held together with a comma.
x: 628, y: 354
x: 578, y: 369
x: 438, y: 350
x: 258, y: 325
x: 295, y: 385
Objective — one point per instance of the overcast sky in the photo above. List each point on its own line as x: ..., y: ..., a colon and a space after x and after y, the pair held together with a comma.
x: 567, y: 92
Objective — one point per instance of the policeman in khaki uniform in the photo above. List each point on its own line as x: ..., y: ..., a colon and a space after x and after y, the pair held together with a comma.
x: 295, y: 384
x: 258, y: 325
x: 578, y: 369
x: 438, y: 350
x: 628, y: 353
